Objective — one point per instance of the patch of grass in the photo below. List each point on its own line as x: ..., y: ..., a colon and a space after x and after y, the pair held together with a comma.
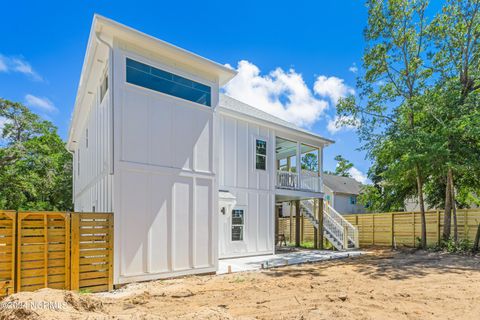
x: 84, y: 291
x: 238, y: 280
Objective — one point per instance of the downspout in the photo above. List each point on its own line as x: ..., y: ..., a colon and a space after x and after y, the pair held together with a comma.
x: 73, y: 177
x: 110, y: 89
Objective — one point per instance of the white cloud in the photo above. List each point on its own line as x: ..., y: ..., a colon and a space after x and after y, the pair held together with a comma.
x: 3, y: 64
x: 353, y: 68
x: 343, y: 123
x: 358, y: 175
x: 281, y: 93
x: 20, y: 65
x: 41, y: 103
x: 332, y: 88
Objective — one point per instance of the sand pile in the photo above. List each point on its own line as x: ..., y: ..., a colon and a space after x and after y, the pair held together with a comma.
x: 49, y: 304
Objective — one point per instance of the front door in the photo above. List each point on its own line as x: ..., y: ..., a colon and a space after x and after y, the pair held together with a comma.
x: 231, y: 231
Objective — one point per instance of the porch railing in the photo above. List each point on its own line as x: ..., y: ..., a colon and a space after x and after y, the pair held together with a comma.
x: 307, y: 181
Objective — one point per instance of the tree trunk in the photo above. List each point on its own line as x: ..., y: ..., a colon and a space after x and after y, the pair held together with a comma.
x: 421, y: 201
x: 454, y: 207
x: 447, y: 217
x: 477, y: 240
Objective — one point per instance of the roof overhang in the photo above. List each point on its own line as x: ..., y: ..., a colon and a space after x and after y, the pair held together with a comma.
x: 108, y: 30
x: 280, y: 128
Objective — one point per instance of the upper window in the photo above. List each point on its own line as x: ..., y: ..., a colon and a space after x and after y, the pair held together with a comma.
x: 152, y: 78
x: 260, y: 154
x: 353, y: 200
x: 238, y: 221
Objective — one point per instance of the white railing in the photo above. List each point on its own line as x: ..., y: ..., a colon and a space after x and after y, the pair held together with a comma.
x: 335, y: 224
x: 287, y: 180
x: 349, y: 230
x: 310, y: 181
x: 307, y: 180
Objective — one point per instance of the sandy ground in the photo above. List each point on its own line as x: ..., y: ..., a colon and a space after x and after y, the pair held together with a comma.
x: 380, y: 285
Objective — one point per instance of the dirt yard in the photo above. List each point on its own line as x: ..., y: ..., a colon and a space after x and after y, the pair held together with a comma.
x: 380, y: 285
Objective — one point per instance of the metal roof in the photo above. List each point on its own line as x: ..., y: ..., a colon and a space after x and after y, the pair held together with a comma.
x: 235, y: 105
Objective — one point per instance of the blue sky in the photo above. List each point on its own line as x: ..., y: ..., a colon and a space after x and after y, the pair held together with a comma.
x: 304, y: 51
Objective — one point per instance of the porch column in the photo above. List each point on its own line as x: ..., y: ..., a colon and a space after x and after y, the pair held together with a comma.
x: 297, y: 223
x: 315, y: 230
x: 299, y: 167
x: 320, y: 223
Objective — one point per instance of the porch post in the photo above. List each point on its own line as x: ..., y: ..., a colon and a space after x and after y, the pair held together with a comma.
x: 320, y: 223
x: 315, y: 230
x: 299, y: 167
x: 297, y: 223
x: 291, y: 221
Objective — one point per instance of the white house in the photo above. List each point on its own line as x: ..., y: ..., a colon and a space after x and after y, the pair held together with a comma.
x: 191, y: 175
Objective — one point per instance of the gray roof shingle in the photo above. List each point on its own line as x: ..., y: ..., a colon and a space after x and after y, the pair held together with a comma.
x: 235, y: 105
x: 342, y: 184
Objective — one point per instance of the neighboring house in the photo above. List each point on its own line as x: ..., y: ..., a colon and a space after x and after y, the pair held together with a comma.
x: 342, y: 193
x: 191, y: 175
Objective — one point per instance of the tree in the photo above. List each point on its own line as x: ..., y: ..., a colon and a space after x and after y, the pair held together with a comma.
x: 35, y: 167
x: 455, y: 34
x: 388, y: 107
x: 310, y: 162
x: 343, y: 167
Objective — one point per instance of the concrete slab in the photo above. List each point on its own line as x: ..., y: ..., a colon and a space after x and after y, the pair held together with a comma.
x: 282, y: 259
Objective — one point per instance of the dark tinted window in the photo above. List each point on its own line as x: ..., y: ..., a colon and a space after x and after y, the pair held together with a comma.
x: 149, y: 77
x: 260, y: 154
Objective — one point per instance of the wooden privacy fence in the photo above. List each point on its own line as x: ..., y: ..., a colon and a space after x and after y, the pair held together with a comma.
x: 307, y: 232
x: 404, y: 228
x: 59, y: 250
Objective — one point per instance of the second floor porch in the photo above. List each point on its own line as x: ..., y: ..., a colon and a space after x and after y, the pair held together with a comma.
x: 298, y: 166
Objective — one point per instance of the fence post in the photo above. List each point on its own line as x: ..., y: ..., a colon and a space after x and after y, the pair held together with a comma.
x: 438, y: 227
x: 373, y: 229
x: 413, y: 218
x: 392, y: 231
x: 75, y: 252
x: 68, y: 257
x: 19, y: 252
x: 110, y: 253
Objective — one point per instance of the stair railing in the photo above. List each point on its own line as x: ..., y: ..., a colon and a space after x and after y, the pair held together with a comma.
x: 352, y: 231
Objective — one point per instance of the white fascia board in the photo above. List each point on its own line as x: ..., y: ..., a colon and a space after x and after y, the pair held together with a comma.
x: 125, y: 33
x: 301, y: 136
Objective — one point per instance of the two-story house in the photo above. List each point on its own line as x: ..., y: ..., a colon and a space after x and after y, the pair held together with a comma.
x: 190, y: 174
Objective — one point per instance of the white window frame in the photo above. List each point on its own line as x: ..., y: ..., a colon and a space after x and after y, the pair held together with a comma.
x: 255, y: 153
x: 242, y: 225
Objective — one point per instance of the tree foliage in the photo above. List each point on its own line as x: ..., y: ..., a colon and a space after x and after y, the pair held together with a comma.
x: 35, y: 167
x: 418, y: 104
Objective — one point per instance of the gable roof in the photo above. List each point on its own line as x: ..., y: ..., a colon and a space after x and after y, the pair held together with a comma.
x: 231, y: 104
x: 342, y: 184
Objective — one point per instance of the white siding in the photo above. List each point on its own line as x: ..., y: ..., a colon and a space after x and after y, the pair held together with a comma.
x: 254, y: 189
x: 93, y: 182
x: 165, y: 187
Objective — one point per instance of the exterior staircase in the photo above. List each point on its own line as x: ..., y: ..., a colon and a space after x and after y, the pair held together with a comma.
x: 338, y: 231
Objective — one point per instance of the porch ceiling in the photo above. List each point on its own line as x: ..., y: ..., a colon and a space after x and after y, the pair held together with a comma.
x: 291, y: 195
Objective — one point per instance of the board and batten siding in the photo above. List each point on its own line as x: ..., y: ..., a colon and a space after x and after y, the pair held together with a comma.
x: 93, y: 181
x: 165, y: 188
x: 254, y: 189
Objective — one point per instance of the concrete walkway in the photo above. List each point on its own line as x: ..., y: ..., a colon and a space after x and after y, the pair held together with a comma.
x: 282, y: 259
